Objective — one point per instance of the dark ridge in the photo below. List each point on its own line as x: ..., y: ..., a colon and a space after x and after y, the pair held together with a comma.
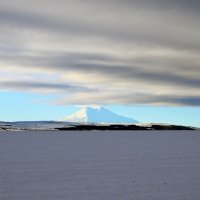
x: 60, y: 126
x: 124, y: 127
x: 103, y: 127
x: 171, y: 127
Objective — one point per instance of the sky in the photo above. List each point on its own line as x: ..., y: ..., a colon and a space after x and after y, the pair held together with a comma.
x: 138, y: 58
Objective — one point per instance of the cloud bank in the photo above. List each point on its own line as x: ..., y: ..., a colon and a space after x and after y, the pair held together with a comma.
x: 102, y: 52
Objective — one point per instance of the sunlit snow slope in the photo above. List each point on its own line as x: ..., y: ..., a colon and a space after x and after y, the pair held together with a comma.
x: 97, y: 115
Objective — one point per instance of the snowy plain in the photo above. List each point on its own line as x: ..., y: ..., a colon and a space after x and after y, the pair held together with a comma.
x: 108, y: 165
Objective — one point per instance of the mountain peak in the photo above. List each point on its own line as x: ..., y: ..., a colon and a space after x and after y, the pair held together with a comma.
x: 97, y: 114
x: 92, y: 107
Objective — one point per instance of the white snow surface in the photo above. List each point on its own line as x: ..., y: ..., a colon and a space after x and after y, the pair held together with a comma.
x: 97, y: 115
x: 96, y: 165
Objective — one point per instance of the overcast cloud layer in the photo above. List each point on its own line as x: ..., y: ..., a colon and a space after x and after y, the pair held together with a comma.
x: 102, y: 52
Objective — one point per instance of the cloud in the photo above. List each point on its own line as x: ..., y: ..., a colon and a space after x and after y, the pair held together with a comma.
x: 129, y: 98
x: 41, y: 87
x: 104, y: 66
x: 127, y: 52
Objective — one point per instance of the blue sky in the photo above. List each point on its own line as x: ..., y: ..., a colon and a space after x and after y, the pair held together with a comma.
x: 23, y: 107
x: 138, y: 57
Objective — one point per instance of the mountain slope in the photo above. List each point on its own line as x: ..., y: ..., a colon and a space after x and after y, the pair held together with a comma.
x: 97, y: 115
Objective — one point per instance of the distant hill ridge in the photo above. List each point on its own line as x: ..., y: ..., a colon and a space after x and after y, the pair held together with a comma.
x: 67, y: 126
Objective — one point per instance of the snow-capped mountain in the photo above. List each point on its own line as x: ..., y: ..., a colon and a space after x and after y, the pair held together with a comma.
x: 97, y: 115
